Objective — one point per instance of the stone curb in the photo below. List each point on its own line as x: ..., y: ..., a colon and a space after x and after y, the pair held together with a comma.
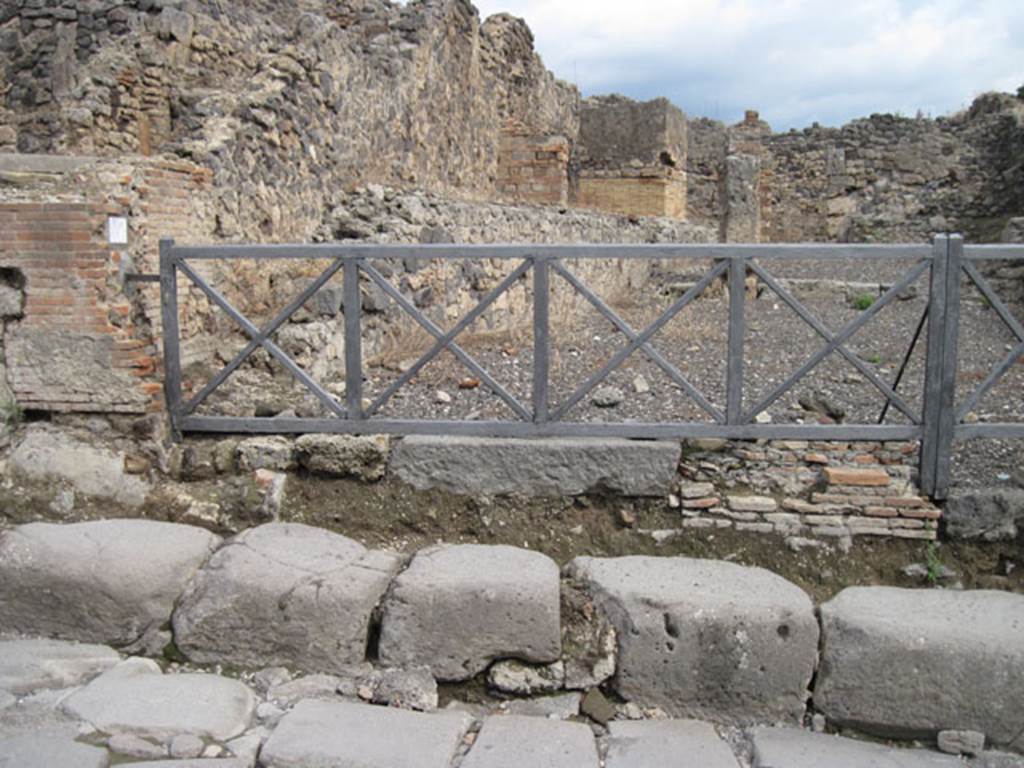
x: 704, y: 639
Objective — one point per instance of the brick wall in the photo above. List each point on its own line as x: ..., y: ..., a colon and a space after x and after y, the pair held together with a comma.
x: 533, y: 169
x: 87, y: 340
x: 638, y: 196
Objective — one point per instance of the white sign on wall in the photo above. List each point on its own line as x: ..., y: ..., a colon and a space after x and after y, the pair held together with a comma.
x: 117, y: 230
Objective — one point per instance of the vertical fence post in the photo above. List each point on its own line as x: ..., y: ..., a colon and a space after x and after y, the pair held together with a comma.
x: 737, y: 330
x: 353, y: 339
x: 940, y: 365
x: 170, y: 332
x: 541, y: 337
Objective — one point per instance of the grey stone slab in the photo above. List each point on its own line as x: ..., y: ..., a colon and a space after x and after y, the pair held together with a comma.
x: 6, y: 699
x: 46, y: 454
x: 793, y: 748
x: 511, y: 741
x: 911, y: 663
x: 667, y: 744
x: 549, y: 467
x: 985, y: 514
x: 41, y: 749
x: 706, y: 639
x: 284, y: 594
x: 135, y: 698
x: 320, y: 734
x: 457, y: 608
x: 199, y: 762
x: 109, y: 581
x: 27, y: 664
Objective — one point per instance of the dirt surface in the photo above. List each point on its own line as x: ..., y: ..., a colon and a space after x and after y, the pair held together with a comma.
x: 777, y: 343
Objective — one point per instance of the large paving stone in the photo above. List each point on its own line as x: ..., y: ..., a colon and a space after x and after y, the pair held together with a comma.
x: 47, y: 454
x: 321, y: 734
x: 284, y: 594
x: 199, y: 762
x: 551, y: 467
x: 706, y: 639
x: 457, y: 608
x: 110, y: 581
x: 910, y: 663
x: 666, y: 744
x: 30, y: 664
x: 45, y: 750
x: 135, y: 698
x: 511, y: 741
x: 793, y: 748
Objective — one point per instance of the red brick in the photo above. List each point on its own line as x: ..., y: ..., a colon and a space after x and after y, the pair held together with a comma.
x: 856, y: 477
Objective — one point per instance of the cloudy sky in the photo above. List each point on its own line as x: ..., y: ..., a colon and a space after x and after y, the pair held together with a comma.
x: 797, y: 61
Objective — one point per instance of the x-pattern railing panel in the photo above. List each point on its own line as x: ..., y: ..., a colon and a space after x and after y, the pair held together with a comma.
x: 936, y: 425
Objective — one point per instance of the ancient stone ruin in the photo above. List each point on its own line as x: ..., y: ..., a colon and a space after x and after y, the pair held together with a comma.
x: 462, y: 600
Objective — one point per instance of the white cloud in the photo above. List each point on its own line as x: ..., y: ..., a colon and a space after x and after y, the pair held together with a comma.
x: 797, y: 61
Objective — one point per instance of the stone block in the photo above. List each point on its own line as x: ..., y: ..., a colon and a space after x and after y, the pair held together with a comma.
x: 988, y: 515
x: 136, y: 698
x: 549, y: 467
x: 125, y: 603
x: 645, y: 744
x: 284, y: 594
x: 27, y: 665
x: 344, y: 735
x: 362, y: 456
x: 910, y: 663
x: 274, y: 453
x: 457, y: 608
x: 752, y: 504
x: 706, y: 639
x: 46, y: 454
x: 511, y: 741
x: 860, y: 478
x: 41, y: 749
x: 793, y: 748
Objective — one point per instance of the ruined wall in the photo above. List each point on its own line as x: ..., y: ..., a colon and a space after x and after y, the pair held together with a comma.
x: 881, y: 178
x: 287, y: 103
x: 85, y: 338
x: 631, y: 157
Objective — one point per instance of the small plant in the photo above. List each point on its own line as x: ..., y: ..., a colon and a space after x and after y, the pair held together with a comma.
x: 875, y: 359
x: 863, y: 300
x: 933, y: 563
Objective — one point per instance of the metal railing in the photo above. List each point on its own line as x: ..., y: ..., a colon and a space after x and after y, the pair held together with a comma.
x: 939, y: 422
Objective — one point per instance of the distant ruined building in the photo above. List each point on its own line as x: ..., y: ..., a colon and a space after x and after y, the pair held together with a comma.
x: 253, y: 120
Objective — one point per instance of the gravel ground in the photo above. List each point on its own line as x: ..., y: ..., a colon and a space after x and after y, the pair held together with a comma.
x: 777, y: 342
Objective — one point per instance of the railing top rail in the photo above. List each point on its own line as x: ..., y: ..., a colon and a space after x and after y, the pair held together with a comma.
x: 999, y: 251
x: 813, y: 251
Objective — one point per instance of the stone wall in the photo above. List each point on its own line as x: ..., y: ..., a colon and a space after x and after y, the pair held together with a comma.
x: 85, y: 338
x: 286, y: 103
x: 631, y: 157
x: 883, y: 178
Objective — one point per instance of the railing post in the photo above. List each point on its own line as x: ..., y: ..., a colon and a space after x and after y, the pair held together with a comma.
x: 940, y: 366
x: 541, y: 337
x: 170, y: 333
x: 737, y: 330
x: 353, y: 339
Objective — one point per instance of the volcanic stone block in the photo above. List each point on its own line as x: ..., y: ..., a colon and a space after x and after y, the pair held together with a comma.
x: 361, y: 456
x: 794, y: 748
x: 457, y: 608
x: 706, y: 639
x: 136, y: 698
x: 41, y: 749
x: 553, y: 467
x: 284, y: 594
x: 648, y: 743
x: 511, y: 741
x: 345, y: 735
x: 27, y: 665
x: 911, y: 663
x: 109, y: 581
